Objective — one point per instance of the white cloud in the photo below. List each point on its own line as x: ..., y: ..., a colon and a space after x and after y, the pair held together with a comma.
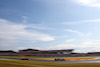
x: 90, y: 3
x: 12, y: 33
x: 38, y: 26
x: 85, y: 46
x: 78, y: 33
x: 70, y: 40
x: 64, y: 36
x: 21, y: 48
x: 83, y: 21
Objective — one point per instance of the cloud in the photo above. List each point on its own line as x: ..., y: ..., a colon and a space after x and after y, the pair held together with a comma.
x: 60, y: 37
x: 12, y: 33
x: 70, y: 40
x: 85, y: 46
x: 77, y: 32
x: 38, y: 26
x: 35, y: 26
x: 90, y: 3
x: 21, y: 48
x: 83, y: 21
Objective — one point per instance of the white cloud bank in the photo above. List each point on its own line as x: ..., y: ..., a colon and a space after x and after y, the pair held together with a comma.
x: 90, y: 3
x: 85, y: 46
x: 12, y: 33
x: 83, y: 21
x: 78, y: 33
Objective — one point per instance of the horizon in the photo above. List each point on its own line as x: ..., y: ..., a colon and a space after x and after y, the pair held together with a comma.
x: 43, y: 50
x: 48, y: 50
x: 50, y: 25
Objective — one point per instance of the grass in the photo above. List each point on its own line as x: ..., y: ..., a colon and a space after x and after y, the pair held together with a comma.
x: 24, y: 63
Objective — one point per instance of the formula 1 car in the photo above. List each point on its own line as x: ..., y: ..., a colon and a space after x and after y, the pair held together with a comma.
x: 59, y: 59
x: 25, y: 59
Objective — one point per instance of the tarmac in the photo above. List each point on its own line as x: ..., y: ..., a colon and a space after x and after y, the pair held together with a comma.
x: 66, y: 61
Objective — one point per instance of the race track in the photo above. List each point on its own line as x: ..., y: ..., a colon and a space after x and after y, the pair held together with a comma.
x: 67, y: 61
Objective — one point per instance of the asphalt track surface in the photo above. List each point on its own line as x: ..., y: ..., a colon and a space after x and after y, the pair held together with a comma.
x: 67, y: 61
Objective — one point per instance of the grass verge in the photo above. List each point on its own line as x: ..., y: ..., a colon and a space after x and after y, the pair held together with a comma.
x: 24, y: 63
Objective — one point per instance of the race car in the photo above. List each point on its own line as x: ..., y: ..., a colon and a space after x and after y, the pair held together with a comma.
x: 25, y: 59
x: 59, y: 59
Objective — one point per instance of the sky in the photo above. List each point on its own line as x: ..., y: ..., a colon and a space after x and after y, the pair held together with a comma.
x: 50, y: 25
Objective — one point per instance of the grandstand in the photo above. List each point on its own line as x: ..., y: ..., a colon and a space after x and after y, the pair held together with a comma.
x: 45, y: 52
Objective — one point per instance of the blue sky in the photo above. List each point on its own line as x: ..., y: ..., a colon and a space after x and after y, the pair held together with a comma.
x: 50, y: 25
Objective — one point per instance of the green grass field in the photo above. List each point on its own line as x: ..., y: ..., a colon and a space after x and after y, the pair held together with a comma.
x: 25, y: 63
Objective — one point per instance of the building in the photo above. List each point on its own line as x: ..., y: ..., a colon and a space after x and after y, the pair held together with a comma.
x: 93, y: 53
x: 30, y: 52
x: 42, y: 53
